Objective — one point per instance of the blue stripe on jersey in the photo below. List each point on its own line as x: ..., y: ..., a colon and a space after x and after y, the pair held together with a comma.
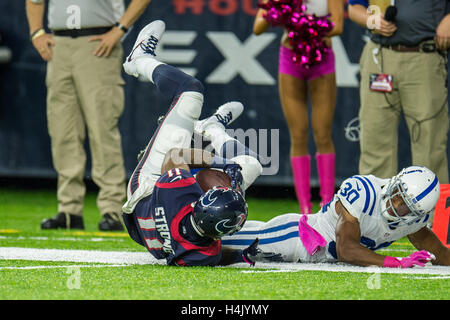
x: 427, y: 190
x: 273, y: 229
x: 237, y: 242
x: 366, y: 204
x: 280, y: 238
x: 374, y: 194
x: 247, y: 242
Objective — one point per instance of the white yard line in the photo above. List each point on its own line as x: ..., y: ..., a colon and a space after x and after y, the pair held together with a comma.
x: 66, y: 266
x: 95, y: 239
x: 427, y: 278
x: 340, y: 267
x: 90, y: 256
x: 142, y: 258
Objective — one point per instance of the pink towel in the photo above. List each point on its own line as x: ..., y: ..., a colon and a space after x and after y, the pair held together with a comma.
x: 312, y: 240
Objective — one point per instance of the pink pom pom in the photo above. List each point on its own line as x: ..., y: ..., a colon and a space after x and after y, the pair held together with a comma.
x: 277, y: 11
x: 311, y: 30
x: 305, y: 32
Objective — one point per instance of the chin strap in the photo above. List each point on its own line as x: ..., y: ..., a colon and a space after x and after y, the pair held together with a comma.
x: 196, y: 227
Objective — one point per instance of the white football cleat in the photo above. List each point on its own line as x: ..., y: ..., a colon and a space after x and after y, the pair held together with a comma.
x: 145, y: 45
x: 224, y: 116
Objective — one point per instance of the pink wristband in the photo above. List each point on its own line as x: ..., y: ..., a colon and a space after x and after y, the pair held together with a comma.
x: 247, y: 260
x: 391, y: 262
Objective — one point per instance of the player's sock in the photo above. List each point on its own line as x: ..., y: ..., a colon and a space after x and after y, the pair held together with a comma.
x: 146, y: 66
x: 219, y: 138
x: 234, y: 150
x: 172, y: 82
x: 301, y: 169
x: 326, y: 167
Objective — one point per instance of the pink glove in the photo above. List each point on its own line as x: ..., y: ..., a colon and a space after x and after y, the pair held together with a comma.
x: 418, y: 258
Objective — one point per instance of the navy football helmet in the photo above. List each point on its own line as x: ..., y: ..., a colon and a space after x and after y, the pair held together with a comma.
x: 219, y: 211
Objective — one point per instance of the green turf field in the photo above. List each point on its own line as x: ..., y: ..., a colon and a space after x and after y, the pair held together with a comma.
x: 22, y: 211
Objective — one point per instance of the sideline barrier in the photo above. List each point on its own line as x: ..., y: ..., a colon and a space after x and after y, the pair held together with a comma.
x: 441, y: 223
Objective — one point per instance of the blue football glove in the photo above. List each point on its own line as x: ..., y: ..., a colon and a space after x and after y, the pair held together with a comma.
x: 234, y: 172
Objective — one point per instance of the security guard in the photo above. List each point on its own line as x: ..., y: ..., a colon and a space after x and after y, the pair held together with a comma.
x: 84, y: 90
x: 403, y: 72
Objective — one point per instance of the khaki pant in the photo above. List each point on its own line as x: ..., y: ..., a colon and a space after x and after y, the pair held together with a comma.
x: 420, y: 94
x: 84, y: 91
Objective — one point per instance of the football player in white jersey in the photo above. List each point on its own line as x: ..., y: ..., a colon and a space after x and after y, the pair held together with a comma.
x: 366, y: 214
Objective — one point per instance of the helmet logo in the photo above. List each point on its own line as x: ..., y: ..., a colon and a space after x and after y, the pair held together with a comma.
x: 209, y: 198
x: 222, y: 226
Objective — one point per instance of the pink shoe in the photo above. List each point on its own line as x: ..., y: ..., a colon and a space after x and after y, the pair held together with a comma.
x: 326, y: 169
x: 301, y: 169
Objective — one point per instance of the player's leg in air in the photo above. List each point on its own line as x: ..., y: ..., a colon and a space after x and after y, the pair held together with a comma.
x: 186, y: 96
x: 213, y: 129
x: 176, y: 129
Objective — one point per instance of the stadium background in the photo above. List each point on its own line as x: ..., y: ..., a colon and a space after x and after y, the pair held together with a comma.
x: 206, y: 39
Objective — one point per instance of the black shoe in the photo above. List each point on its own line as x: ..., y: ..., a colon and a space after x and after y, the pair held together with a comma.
x: 110, y: 222
x: 64, y: 221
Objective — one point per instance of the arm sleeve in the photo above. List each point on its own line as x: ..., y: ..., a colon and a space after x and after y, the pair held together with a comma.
x: 197, y: 259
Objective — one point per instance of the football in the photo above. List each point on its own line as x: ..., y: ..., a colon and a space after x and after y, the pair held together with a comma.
x: 208, y: 178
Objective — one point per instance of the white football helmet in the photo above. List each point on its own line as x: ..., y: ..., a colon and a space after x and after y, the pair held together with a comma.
x: 419, y: 189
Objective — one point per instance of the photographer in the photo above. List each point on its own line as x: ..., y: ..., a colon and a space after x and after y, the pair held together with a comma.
x: 403, y: 71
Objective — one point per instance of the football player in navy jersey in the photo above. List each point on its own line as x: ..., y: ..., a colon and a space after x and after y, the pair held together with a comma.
x: 166, y: 210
